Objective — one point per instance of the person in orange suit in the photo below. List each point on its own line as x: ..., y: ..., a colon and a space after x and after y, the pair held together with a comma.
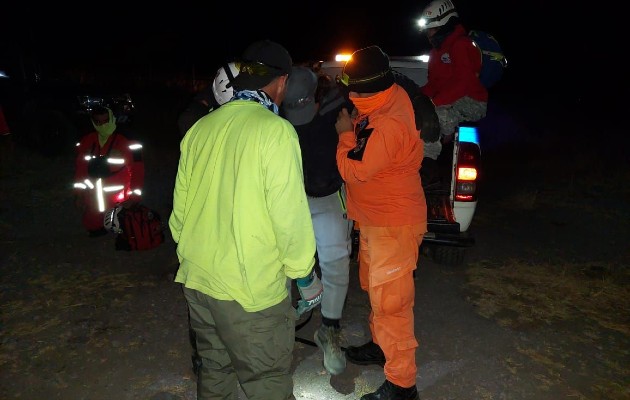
x: 379, y: 155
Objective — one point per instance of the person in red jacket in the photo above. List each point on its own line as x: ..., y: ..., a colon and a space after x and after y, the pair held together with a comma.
x: 453, y: 76
x: 109, y: 171
x: 378, y: 156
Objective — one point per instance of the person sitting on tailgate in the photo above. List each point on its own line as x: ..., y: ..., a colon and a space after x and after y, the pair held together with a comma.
x: 453, y: 73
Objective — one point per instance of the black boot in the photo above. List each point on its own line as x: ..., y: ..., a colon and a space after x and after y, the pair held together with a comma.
x: 369, y: 353
x: 389, y: 391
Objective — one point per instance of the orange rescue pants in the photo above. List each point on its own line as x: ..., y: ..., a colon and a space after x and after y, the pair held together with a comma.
x: 387, y: 258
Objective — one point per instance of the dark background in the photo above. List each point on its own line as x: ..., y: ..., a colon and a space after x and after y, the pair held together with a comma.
x: 565, y: 62
x: 547, y: 45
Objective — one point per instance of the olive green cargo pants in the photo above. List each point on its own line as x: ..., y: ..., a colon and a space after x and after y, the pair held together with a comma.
x: 254, y: 349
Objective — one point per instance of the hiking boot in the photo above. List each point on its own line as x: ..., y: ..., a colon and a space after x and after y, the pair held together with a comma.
x: 369, y: 353
x: 389, y: 391
x: 328, y: 339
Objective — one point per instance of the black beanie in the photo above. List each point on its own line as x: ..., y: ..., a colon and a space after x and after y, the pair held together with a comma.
x: 368, y: 71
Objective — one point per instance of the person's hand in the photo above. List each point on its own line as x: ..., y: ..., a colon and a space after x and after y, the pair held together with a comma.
x: 344, y: 121
x: 311, y: 295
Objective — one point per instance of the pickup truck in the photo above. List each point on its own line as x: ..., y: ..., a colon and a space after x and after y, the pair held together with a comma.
x: 452, y: 202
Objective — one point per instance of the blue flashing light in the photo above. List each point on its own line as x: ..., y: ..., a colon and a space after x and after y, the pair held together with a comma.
x: 468, y: 134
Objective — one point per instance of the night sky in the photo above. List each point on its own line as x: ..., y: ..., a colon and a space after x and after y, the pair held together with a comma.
x: 540, y: 40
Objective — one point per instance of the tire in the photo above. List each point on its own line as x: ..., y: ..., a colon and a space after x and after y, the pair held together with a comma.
x: 448, y: 255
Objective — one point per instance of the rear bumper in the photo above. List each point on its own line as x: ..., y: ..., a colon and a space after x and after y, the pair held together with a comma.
x: 464, y: 212
x: 445, y: 234
x: 441, y: 226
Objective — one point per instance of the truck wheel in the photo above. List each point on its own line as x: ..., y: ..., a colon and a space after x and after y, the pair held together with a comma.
x: 448, y: 255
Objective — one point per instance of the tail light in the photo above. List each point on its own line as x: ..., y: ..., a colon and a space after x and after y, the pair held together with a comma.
x: 468, y: 162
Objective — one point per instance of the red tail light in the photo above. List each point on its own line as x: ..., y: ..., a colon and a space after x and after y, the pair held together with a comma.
x: 468, y: 162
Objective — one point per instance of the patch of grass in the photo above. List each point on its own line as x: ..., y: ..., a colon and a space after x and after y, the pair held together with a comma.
x: 41, y: 320
x: 519, y: 294
x: 53, y: 294
x: 589, y: 300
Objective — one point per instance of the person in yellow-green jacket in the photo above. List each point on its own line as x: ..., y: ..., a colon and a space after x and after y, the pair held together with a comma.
x: 243, y: 228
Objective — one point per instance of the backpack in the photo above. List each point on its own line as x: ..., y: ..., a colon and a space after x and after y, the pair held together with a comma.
x: 493, y: 62
x: 141, y: 227
x: 427, y: 121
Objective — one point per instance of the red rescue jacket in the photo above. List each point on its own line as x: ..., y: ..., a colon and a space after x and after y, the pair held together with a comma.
x: 110, y: 174
x: 454, y: 70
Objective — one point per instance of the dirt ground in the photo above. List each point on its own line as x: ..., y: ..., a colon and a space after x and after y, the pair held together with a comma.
x: 539, y: 311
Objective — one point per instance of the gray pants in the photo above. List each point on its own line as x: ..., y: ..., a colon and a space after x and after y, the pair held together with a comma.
x: 450, y: 116
x: 332, y: 234
x: 253, y: 349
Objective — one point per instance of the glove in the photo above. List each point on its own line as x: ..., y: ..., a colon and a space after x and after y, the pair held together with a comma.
x: 311, y: 295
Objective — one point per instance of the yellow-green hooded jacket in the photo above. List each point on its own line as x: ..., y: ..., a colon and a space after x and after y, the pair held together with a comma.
x: 240, y: 216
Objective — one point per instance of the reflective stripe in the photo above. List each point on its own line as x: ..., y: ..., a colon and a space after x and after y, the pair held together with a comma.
x: 135, y: 146
x: 89, y: 183
x: 113, y: 188
x: 341, y: 193
x: 99, y: 195
x: 80, y: 185
x: 115, y: 160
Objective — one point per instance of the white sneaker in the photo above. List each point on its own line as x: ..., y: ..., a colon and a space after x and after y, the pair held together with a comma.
x: 328, y: 339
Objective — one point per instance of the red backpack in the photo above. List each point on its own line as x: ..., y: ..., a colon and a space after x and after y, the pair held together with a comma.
x: 142, y: 229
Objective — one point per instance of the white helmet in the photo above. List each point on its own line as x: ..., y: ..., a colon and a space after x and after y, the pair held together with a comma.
x: 111, y: 220
x: 225, y: 75
x: 436, y: 14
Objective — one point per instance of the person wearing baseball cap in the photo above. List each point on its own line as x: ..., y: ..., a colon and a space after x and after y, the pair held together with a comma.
x: 379, y: 156
x: 262, y: 62
x: 243, y: 228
